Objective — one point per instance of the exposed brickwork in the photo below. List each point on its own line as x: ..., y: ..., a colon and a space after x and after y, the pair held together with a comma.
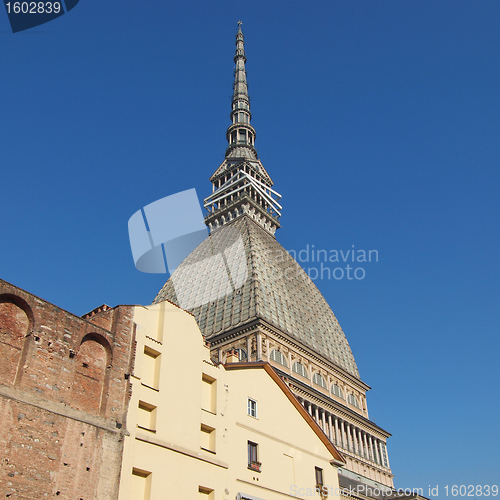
x: 63, y: 398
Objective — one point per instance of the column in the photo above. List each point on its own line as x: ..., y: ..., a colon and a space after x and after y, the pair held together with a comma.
x: 316, y: 415
x: 342, y: 434
x: 324, y: 421
x: 330, y: 430
x: 259, y: 346
x: 310, y: 408
x: 366, y: 445
x: 337, y: 433
x: 360, y: 443
x: 370, y: 441
x: 249, y: 348
x: 381, y: 453
x: 349, y: 438
x: 355, y: 437
x: 377, y: 454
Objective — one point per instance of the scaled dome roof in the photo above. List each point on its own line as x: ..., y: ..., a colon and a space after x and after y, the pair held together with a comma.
x: 241, y: 273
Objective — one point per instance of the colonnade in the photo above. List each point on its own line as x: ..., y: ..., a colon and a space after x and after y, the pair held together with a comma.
x: 347, y: 436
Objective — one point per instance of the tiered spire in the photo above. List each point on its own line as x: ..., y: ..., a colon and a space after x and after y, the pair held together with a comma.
x: 240, y: 134
x: 241, y: 185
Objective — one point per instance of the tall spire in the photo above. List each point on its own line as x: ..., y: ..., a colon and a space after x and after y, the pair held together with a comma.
x: 240, y: 134
x: 241, y: 185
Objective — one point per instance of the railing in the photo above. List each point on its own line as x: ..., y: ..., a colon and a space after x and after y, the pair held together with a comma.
x: 235, y: 200
x: 254, y: 466
x: 240, y: 142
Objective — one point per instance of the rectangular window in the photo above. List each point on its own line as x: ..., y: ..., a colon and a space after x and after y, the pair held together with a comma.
x: 253, y: 462
x: 150, y: 368
x: 319, y: 476
x: 205, y: 493
x: 207, y: 438
x: 141, y: 484
x: 252, y: 408
x: 384, y: 456
x: 146, y: 416
x: 208, y: 393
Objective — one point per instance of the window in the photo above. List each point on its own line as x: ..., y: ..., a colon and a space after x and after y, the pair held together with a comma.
x: 151, y: 368
x: 384, y: 455
x: 319, y: 476
x: 337, y: 391
x: 319, y: 380
x: 140, y: 487
x: 278, y: 357
x: 208, y: 393
x: 253, y: 462
x: 353, y: 400
x: 252, y: 408
x: 146, y: 416
x: 300, y: 369
x: 207, y: 438
x: 205, y: 493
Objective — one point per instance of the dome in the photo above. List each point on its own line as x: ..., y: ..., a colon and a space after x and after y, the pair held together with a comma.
x: 240, y: 273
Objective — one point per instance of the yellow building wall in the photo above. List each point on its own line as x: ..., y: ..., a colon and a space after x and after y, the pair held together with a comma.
x: 189, y: 429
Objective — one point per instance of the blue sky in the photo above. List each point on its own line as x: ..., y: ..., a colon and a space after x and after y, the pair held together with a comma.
x: 378, y: 122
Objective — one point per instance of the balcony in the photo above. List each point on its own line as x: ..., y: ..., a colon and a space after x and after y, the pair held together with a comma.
x: 255, y: 466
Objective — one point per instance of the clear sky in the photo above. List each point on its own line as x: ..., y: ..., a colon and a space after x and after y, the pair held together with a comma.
x: 378, y: 121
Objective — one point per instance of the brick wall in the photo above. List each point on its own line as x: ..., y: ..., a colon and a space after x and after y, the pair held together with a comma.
x: 64, y: 392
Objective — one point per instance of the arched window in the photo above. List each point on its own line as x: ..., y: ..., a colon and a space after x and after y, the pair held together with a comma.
x: 319, y: 380
x: 353, y: 400
x: 337, y: 391
x: 278, y: 357
x: 300, y: 369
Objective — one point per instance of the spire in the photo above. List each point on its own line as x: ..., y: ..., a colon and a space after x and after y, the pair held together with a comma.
x: 240, y: 134
x: 241, y: 186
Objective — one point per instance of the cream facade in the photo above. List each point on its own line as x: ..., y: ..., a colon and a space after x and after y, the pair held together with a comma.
x: 200, y: 430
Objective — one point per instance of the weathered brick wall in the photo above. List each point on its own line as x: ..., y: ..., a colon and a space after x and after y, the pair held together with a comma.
x: 63, y: 398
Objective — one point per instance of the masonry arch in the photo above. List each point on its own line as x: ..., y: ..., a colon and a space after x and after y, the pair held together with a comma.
x: 16, y: 324
x: 91, y: 380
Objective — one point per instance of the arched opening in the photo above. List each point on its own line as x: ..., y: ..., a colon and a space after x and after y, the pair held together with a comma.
x: 278, y: 357
x: 319, y: 380
x: 92, y: 360
x: 16, y: 322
